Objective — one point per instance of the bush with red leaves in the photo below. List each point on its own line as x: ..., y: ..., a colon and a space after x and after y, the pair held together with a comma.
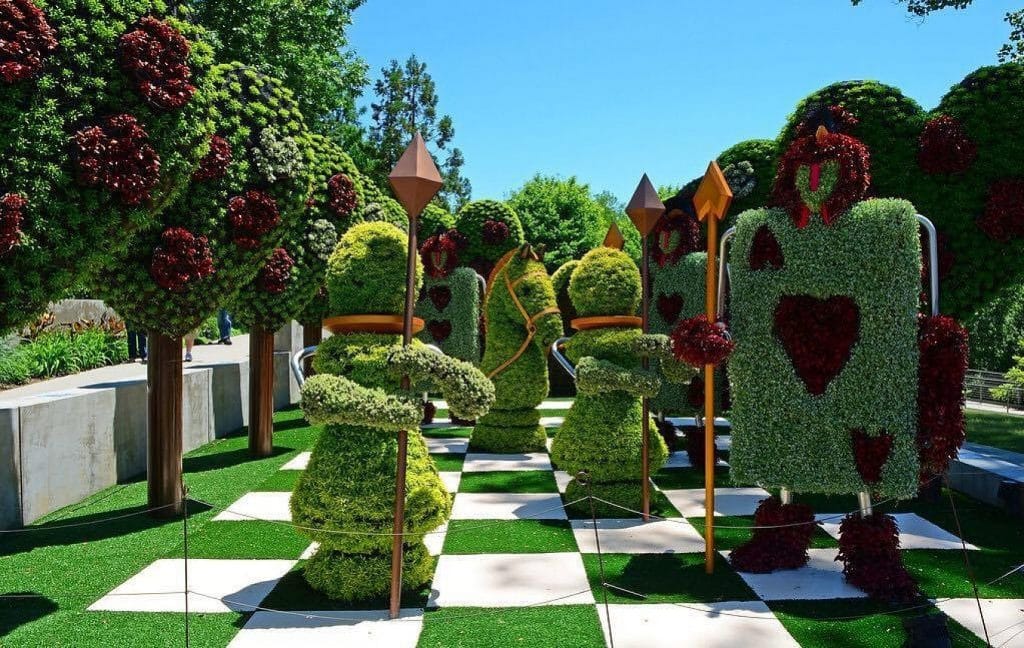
x: 494, y: 232
x: 674, y: 238
x: 341, y: 195
x: 439, y: 254
x: 460, y: 240
x: 695, y: 446
x: 765, y: 252
x: 942, y: 344
x: 695, y: 392
x: 1003, y: 218
x: 698, y: 342
x: 276, y: 272
x: 181, y: 258
x: 780, y: 540
x: 26, y: 38
x: 10, y: 221
x: 870, y: 454
x: 155, y: 56
x: 116, y: 155
x: 818, y: 336
x: 869, y: 548
x: 252, y: 215
x: 944, y: 148
x: 668, y: 432
x: 215, y: 164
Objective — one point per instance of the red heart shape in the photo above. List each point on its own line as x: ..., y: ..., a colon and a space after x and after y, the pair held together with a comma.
x: 440, y: 330
x: 765, y: 251
x: 670, y: 306
x: 441, y: 296
x: 818, y: 335
x: 870, y: 454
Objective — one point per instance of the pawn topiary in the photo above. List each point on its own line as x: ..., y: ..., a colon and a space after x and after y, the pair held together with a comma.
x: 345, y: 498
x: 602, y: 431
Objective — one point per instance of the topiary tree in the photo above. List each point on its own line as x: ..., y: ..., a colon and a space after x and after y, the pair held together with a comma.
x: 522, y: 321
x: 99, y: 132
x: 344, y: 499
x: 434, y: 220
x: 491, y: 229
x: 379, y: 206
x: 212, y: 241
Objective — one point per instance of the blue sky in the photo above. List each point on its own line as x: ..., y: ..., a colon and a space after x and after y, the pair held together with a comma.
x: 607, y: 90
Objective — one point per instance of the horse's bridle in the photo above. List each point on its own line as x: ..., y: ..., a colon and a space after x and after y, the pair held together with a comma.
x: 531, y: 320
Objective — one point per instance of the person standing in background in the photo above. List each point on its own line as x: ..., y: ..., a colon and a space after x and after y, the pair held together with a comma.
x: 136, y: 345
x: 224, y: 326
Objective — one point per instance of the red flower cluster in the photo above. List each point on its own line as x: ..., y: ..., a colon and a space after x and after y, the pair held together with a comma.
x: 25, y: 40
x: 698, y: 342
x: 440, y: 255
x: 851, y: 186
x: 674, y: 238
x: 181, y: 258
x: 1004, y: 210
x: 276, y: 272
x: 251, y: 216
x: 765, y: 251
x: 870, y: 454
x: 818, y: 335
x: 214, y: 164
x: 869, y: 548
x: 10, y: 221
x: 155, y: 55
x: 843, y: 120
x: 780, y: 540
x: 116, y: 155
x: 341, y: 195
x: 495, y: 232
x: 942, y: 344
x: 944, y: 148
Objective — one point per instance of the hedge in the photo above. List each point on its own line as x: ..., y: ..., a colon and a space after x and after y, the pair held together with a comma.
x: 450, y: 308
x: 492, y: 229
x: 761, y: 155
x: 560, y: 284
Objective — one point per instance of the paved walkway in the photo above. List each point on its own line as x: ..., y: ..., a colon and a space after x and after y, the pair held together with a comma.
x: 993, y: 407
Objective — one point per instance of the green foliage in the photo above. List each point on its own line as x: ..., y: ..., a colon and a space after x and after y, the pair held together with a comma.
x: 686, y: 279
x: 595, y: 377
x: 69, y: 231
x: 784, y: 436
x: 380, y: 207
x: 1010, y: 390
x: 470, y: 221
x: 366, y: 273
x: 762, y: 155
x: 465, y: 389
x: 58, y: 353
x: 434, y: 219
x: 560, y: 283
x: 606, y: 282
x: 339, y: 401
x: 462, y: 312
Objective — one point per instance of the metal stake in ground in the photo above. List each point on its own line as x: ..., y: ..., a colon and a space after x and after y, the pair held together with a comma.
x: 711, y: 201
x: 415, y: 180
x: 644, y: 209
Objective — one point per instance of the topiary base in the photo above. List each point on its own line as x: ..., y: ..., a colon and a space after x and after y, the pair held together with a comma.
x: 508, y: 439
x: 358, y: 577
x: 625, y: 494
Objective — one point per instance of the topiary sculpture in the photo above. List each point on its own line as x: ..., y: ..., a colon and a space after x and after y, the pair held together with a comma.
x: 522, y: 322
x: 601, y: 433
x: 344, y: 500
x: 492, y: 229
x: 450, y: 300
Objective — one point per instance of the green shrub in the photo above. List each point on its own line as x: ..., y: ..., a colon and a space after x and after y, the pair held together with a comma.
x: 560, y: 283
x: 366, y: 273
x: 782, y: 434
x: 462, y: 313
x: 59, y: 353
x: 606, y: 282
x: 380, y: 207
x: 492, y: 229
x: 762, y: 155
x: 14, y: 370
x: 434, y: 219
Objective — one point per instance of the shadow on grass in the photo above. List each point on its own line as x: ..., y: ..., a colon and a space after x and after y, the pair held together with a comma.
x: 218, y: 460
x: 21, y: 608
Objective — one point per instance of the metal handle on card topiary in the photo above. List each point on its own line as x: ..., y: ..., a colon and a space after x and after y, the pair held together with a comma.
x: 933, y: 263
x: 296, y: 363
x: 723, y: 269
x: 556, y: 351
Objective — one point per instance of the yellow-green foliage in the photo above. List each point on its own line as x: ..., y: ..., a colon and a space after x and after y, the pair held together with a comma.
x: 606, y: 282
x: 366, y: 273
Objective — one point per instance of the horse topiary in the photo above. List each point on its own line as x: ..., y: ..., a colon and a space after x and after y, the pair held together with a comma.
x: 522, y: 321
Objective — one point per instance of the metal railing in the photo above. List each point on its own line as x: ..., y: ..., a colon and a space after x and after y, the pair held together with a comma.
x: 991, y: 387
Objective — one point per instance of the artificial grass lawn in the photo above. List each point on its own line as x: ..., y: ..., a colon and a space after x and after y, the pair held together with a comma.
x: 665, y: 578
x: 448, y: 433
x: 448, y: 462
x: 660, y: 506
x: 529, y: 627
x: 684, y: 478
x: 508, y: 536
x: 293, y: 593
x: 247, y: 539
x: 997, y: 430
x: 509, y: 481
x: 282, y: 480
x: 732, y: 531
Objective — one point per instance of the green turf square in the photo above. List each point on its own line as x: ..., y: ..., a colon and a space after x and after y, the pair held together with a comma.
x: 508, y: 536
x: 254, y: 539
x: 941, y: 573
x: 293, y: 593
x: 732, y: 531
x: 528, y: 627
x: 509, y: 481
x: 448, y: 462
x: 448, y: 432
x: 282, y: 480
x: 665, y: 578
x: 580, y: 510
x: 684, y: 478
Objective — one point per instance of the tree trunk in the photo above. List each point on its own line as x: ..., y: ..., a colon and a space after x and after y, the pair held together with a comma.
x: 312, y: 335
x: 261, y: 392
x: 163, y: 449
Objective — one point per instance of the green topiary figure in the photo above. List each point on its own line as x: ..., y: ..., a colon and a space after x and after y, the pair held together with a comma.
x: 522, y: 322
x: 601, y: 433
x: 349, y: 483
x: 491, y: 229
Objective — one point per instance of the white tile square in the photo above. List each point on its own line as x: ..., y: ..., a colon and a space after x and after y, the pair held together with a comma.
x: 821, y: 578
x: 508, y: 506
x: 500, y: 580
x: 548, y: 442
x: 435, y: 540
x: 680, y: 459
x: 562, y: 479
x: 310, y: 550
x: 453, y: 445
x: 214, y: 586
x: 552, y: 421
x: 258, y: 505
x: 299, y: 462
x: 1003, y: 617
x: 708, y: 625
x: 674, y: 535
x: 371, y: 629
x: 728, y: 501
x: 451, y: 480
x: 481, y: 462
x: 915, y: 531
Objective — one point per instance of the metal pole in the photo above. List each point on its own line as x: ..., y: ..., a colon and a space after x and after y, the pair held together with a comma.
x: 645, y: 487
x: 709, y: 410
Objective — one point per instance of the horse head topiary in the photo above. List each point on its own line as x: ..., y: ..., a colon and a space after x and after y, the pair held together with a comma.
x: 522, y: 321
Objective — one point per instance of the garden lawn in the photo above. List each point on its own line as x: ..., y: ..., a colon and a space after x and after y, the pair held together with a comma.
x: 1003, y: 431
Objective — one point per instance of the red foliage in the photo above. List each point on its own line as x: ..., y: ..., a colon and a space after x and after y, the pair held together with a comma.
x: 215, y: 164
x: 26, y: 38
x: 942, y: 344
x: 460, y: 239
x: 116, y: 155
x: 695, y: 437
x: 341, y: 195
x: 781, y: 540
x: 495, y: 232
x: 251, y: 216
x: 674, y: 238
x: 765, y: 251
x: 482, y: 266
x: 10, y: 221
x: 669, y: 307
x: 851, y: 185
x: 669, y: 433
x: 944, y: 148
x: 439, y: 255
x: 440, y: 296
x: 276, y: 272
x: 870, y: 454
x: 439, y: 329
x: 181, y: 258
x: 818, y: 335
x: 155, y: 56
x: 698, y: 342
x: 869, y: 548
x: 695, y: 393
x: 1003, y: 218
